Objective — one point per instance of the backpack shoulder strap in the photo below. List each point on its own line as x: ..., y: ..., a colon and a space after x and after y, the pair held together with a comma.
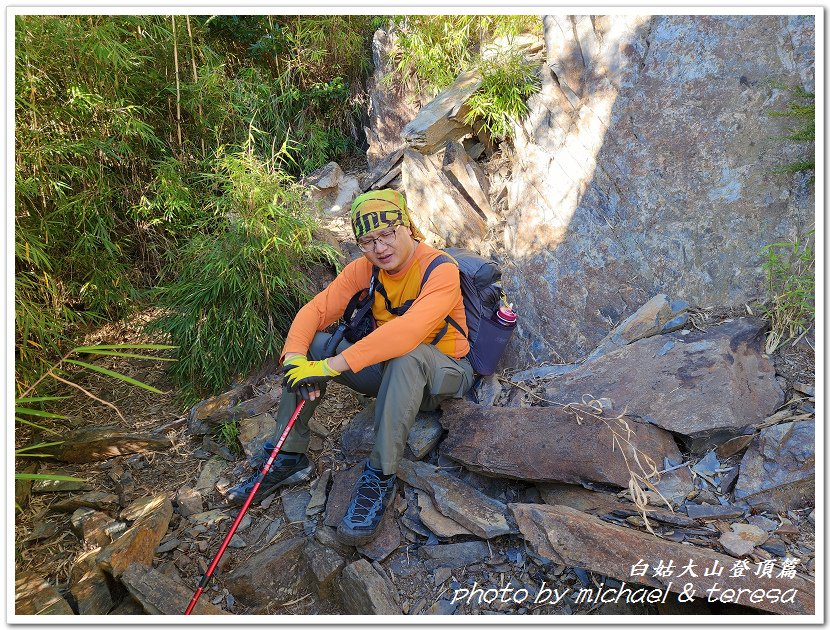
x: 357, y: 308
x: 438, y: 260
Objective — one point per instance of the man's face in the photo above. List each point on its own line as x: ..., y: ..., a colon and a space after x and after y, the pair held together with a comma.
x: 388, y: 248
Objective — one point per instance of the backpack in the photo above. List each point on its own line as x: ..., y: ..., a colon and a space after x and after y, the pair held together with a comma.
x: 481, y: 292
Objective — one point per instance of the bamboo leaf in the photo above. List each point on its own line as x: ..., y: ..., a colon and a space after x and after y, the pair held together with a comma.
x: 31, y: 399
x: 34, y: 446
x: 38, y: 412
x: 116, y: 375
x: 35, y: 425
x: 129, y: 355
x: 36, y: 476
x: 125, y: 346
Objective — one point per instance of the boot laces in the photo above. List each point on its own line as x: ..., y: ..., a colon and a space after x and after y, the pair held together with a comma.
x: 369, y: 493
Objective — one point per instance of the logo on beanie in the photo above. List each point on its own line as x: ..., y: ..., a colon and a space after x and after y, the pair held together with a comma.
x: 379, y: 209
x: 365, y: 222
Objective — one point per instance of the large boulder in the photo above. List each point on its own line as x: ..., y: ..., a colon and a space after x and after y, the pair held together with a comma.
x: 330, y: 190
x: 483, y: 516
x: 778, y: 472
x: 439, y: 209
x: 574, y: 539
x: 92, y: 444
x: 541, y: 444
x: 649, y: 163
x: 704, y: 386
x: 139, y: 543
x: 442, y: 120
x: 274, y: 575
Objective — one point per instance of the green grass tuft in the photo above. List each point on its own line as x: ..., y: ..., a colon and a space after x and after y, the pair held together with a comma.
x: 507, y: 83
x: 791, y: 283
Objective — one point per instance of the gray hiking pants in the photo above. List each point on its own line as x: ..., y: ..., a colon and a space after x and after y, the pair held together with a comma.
x: 419, y: 380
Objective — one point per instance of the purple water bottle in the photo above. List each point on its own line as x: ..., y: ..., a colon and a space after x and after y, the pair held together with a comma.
x: 493, y: 337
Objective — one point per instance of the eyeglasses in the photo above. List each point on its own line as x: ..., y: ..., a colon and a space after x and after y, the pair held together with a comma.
x: 387, y: 237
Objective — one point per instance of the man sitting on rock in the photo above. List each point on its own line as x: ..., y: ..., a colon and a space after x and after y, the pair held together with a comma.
x: 410, y: 361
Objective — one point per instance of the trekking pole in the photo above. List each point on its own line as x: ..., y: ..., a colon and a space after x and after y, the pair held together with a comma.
x: 209, y: 573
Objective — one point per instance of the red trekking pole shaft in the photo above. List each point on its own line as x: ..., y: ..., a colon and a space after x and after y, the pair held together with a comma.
x: 209, y: 573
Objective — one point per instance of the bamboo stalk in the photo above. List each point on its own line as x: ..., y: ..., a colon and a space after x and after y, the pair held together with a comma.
x: 195, y: 78
x: 178, y: 90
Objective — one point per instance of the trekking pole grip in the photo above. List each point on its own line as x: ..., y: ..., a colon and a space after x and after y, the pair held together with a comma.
x: 209, y: 573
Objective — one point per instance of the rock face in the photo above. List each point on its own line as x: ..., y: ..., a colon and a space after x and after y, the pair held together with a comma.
x: 391, y: 107
x: 475, y: 511
x: 547, y: 443
x: 440, y: 121
x: 608, y: 204
x: 99, y: 443
x: 139, y: 543
x: 330, y: 189
x: 572, y: 538
x: 659, y: 314
x: 778, y: 471
x: 160, y: 595
x: 705, y: 387
x: 365, y: 592
x: 273, y: 575
x: 438, y: 208
x: 35, y: 596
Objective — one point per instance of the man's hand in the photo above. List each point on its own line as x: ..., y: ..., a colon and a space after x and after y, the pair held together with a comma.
x: 305, y: 377
x: 292, y: 361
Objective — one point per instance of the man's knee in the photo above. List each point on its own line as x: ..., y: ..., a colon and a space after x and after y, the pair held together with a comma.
x: 409, y: 364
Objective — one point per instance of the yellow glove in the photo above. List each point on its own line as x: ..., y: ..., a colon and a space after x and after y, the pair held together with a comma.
x: 300, y: 372
x: 293, y: 361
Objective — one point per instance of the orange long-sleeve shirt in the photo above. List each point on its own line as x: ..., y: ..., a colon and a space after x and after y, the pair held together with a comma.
x: 394, y: 336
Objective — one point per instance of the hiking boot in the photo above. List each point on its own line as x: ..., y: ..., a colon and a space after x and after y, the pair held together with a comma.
x: 370, y: 498
x: 287, y: 468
